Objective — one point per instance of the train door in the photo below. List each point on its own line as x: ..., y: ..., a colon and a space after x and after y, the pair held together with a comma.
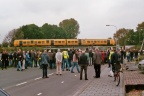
x: 20, y: 42
x: 79, y: 42
x: 52, y: 42
x: 108, y: 42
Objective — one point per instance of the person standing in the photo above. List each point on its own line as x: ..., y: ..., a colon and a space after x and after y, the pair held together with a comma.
x: 24, y: 60
x: 4, y: 60
x: 15, y: 62
x: 65, y: 60
x: 20, y: 59
x: 44, y: 62
x: 83, y: 65
x: 75, y: 62
x: 59, y: 58
x: 27, y: 60
x: 51, y: 59
x: 97, y: 63
x: 90, y: 58
x: 70, y: 57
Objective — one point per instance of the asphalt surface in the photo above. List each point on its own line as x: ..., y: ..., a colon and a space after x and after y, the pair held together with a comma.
x: 30, y: 83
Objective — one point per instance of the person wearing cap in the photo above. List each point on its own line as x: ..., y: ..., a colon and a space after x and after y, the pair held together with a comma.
x: 58, y: 57
x: 97, y: 63
x: 83, y: 65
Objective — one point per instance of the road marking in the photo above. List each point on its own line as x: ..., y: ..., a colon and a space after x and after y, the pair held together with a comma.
x: 50, y: 74
x: 39, y: 93
x: 37, y: 78
x: 21, y: 83
x: 62, y: 82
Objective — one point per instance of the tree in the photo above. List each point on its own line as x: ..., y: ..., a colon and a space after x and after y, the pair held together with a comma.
x: 140, y: 32
x: 120, y: 36
x: 52, y: 31
x: 11, y: 36
x: 31, y: 31
x: 70, y: 27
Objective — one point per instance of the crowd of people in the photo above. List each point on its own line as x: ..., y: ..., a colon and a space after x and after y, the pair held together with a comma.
x: 67, y: 59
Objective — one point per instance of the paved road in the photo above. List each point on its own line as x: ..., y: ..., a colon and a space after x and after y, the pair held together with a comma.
x: 30, y: 83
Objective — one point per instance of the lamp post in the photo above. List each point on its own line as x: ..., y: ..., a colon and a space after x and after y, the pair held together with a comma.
x: 116, y: 31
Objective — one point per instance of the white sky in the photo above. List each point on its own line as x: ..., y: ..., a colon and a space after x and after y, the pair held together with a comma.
x: 92, y: 15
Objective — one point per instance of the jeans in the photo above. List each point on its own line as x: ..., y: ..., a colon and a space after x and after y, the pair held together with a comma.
x: 19, y: 67
x: 75, y: 64
x: 10, y: 62
x: 44, y: 68
x: 83, y: 67
x: 63, y: 65
x: 97, y: 68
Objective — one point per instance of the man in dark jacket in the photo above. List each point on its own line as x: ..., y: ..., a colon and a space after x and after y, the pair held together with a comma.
x: 114, y: 60
x: 44, y: 62
x: 83, y: 63
x: 19, y: 59
x: 4, y: 59
x: 97, y: 63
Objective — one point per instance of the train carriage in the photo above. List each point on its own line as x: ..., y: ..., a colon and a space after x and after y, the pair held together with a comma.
x: 72, y: 42
x: 64, y: 42
x: 59, y: 42
x: 101, y: 42
x: 32, y: 42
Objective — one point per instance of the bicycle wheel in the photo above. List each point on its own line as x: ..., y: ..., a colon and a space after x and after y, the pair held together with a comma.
x: 117, y: 79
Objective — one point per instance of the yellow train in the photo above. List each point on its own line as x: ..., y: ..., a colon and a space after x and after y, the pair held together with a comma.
x: 64, y: 42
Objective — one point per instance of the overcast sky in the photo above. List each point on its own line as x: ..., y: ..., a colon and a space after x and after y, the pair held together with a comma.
x: 92, y: 15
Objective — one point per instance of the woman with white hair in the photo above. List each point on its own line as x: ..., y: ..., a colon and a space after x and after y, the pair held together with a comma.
x: 58, y: 57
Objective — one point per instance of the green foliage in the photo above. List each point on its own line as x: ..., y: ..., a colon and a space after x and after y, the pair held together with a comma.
x: 52, y: 32
x: 129, y: 36
x: 70, y: 27
x: 31, y: 31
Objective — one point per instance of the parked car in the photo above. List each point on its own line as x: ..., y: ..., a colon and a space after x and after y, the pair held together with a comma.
x: 141, y: 65
x: 3, y: 92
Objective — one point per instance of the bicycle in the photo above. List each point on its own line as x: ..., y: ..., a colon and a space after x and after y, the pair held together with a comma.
x: 117, y: 74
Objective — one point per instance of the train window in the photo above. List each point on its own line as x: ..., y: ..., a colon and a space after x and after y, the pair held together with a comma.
x: 24, y: 42
x: 98, y: 41
x: 31, y: 42
x: 43, y: 42
x: 88, y: 41
x: 72, y: 41
x: 47, y: 41
x: 55, y: 41
x: 68, y: 41
x: 63, y: 42
x: 101, y: 41
x: 28, y: 42
x: 59, y: 41
x: 94, y: 41
x: 39, y: 42
x: 104, y: 41
x: 76, y: 42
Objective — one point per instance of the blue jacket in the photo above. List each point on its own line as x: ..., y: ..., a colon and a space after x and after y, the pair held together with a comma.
x: 44, y: 58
